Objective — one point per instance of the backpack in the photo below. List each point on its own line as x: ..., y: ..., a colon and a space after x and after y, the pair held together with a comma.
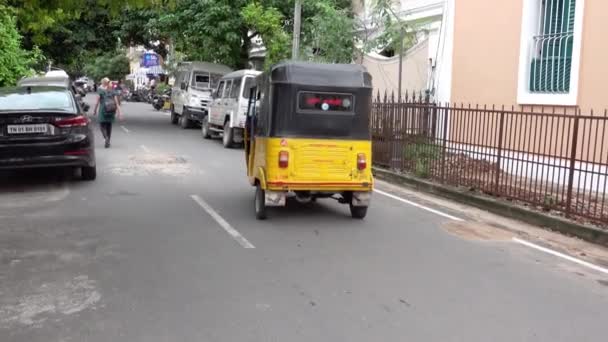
x: 108, y: 102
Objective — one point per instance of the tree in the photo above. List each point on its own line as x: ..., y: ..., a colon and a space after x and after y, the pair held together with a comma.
x: 391, y: 31
x: 209, y: 30
x: 267, y: 22
x: 140, y: 26
x: 15, y: 62
x: 112, y: 65
x: 73, y: 43
x: 222, y: 30
x: 329, y: 34
x: 72, y: 32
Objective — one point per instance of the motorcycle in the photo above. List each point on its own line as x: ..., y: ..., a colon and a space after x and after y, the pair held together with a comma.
x: 158, y: 102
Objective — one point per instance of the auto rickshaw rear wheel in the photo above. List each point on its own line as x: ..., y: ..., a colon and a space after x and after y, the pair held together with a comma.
x: 260, y: 203
x: 358, y: 212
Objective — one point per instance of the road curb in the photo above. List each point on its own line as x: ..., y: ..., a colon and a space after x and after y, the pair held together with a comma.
x: 498, y: 207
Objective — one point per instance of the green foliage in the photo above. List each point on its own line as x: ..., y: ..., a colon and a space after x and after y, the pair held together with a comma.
x: 393, y: 30
x: 115, y: 66
x: 162, y: 87
x: 15, y: 62
x: 140, y: 26
x: 267, y: 22
x: 210, y: 30
x: 422, y: 154
x: 76, y: 42
x: 329, y: 34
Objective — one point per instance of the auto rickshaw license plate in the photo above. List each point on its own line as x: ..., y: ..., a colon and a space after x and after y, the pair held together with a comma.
x: 275, y: 199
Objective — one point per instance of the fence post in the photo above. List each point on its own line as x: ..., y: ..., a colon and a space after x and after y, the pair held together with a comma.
x: 444, y: 142
x: 499, y: 154
x: 572, y: 164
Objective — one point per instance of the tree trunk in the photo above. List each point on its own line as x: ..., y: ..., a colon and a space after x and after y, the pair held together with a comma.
x: 244, y: 54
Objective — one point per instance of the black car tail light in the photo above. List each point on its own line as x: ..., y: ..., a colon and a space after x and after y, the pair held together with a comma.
x: 77, y: 121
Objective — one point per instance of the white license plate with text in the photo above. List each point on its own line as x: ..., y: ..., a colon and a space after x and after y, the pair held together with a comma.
x: 27, y: 129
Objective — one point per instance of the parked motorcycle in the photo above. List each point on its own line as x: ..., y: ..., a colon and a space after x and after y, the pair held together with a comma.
x: 158, y: 102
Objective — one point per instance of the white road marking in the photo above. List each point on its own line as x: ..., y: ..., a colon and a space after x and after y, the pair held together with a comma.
x: 437, y: 212
x: 561, y: 255
x: 124, y: 129
x: 166, y: 114
x: 143, y: 147
x: 220, y: 220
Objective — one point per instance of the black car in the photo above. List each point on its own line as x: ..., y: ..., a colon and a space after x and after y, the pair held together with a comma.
x: 44, y: 126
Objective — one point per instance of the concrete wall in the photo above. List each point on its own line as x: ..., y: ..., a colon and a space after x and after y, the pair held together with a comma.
x: 385, y: 72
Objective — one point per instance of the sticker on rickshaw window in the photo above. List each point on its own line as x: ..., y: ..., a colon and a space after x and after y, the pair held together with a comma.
x: 325, y: 102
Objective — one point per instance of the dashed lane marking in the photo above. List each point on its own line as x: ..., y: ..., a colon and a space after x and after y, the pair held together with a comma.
x: 420, y: 206
x: 223, y: 223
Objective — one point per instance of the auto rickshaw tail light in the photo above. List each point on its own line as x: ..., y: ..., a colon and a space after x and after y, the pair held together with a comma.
x: 361, y: 161
x: 283, y: 159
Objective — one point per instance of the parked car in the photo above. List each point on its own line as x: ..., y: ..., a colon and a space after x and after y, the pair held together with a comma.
x: 62, y: 81
x: 228, y: 108
x: 191, y: 94
x: 44, y: 126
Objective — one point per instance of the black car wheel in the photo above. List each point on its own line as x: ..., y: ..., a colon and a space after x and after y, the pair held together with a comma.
x: 260, y: 203
x: 89, y: 173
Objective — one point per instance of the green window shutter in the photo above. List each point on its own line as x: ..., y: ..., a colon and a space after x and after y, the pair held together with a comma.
x: 551, y: 66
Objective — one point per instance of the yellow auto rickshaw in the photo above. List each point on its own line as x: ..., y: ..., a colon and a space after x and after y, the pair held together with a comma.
x: 307, y: 136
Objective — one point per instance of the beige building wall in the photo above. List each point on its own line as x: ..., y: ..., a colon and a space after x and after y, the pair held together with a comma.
x: 594, y: 57
x: 487, y: 46
x: 385, y: 72
x: 486, y: 51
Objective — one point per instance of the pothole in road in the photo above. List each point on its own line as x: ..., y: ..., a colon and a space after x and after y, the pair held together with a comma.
x: 476, y: 231
x: 152, y: 164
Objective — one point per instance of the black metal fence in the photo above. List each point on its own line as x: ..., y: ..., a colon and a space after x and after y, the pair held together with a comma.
x: 553, y: 159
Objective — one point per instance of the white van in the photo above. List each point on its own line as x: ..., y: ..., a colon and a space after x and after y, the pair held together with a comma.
x: 191, y: 92
x: 228, y: 108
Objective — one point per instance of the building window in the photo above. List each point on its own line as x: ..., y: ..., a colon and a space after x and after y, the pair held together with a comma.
x: 550, y: 51
x: 551, y: 58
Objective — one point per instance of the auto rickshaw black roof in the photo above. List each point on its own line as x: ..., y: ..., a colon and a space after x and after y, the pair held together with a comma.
x: 288, y: 89
x: 329, y: 75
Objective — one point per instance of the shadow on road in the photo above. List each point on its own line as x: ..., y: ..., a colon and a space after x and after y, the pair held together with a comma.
x: 320, y: 211
x: 34, y: 180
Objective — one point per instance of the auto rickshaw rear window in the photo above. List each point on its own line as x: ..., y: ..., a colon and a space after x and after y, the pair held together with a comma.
x: 319, y: 102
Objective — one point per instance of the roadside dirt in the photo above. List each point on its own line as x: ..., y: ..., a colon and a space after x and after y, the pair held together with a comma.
x: 476, y: 231
x: 480, y: 225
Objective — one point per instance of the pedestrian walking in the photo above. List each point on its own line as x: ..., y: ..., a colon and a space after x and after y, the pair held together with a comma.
x: 118, y: 90
x: 107, y: 108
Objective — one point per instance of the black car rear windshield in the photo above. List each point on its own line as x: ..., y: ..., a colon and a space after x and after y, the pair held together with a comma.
x: 35, y: 99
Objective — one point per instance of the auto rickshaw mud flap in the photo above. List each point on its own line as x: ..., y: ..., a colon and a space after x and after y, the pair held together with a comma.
x: 361, y: 198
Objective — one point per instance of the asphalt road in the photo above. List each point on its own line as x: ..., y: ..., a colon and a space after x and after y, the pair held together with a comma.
x: 148, y: 252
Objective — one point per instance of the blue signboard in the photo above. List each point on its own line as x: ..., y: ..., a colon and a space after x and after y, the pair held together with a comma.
x: 149, y: 60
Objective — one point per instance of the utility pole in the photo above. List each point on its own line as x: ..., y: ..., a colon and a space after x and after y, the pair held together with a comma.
x: 297, y: 18
x: 401, y: 38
